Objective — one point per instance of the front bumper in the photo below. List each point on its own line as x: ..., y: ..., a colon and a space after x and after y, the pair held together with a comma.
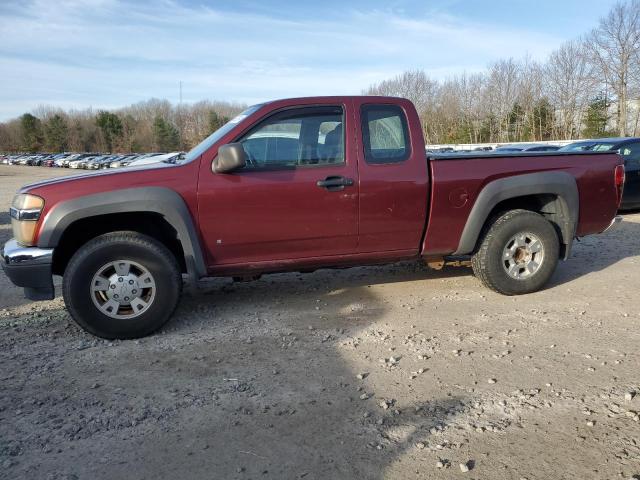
x: 29, y: 267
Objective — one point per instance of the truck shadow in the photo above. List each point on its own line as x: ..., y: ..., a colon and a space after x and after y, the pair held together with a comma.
x: 250, y: 380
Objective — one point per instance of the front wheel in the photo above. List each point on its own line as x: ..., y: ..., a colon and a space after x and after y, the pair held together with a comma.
x: 518, y: 253
x: 122, y: 285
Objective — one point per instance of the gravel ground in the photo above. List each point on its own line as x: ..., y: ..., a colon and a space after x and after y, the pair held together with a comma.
x: 391, y: 372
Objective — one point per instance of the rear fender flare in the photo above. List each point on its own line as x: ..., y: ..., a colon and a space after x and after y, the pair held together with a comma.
x: 560, y: 184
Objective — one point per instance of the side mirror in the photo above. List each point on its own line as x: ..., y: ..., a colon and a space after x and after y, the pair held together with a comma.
x: 230, y: 157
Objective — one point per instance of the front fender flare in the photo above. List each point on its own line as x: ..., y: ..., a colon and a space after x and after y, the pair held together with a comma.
x: 161, y: 200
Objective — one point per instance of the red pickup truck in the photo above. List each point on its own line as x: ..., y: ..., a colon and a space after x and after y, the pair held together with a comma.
x: 296, y: 185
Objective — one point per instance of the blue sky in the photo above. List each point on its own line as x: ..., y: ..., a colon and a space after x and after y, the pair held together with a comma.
x: 111, y: 53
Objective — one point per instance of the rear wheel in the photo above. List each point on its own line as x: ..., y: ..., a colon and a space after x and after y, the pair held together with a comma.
x: 518, y: 253
x: 122, y: 285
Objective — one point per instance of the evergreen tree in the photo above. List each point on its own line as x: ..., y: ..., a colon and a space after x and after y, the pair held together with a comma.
x: 597, y: 118
x: 216, y: 120
x: 31, y: 133
x: 166, y: 135
x: 111, y: 127
x: 56, y: 134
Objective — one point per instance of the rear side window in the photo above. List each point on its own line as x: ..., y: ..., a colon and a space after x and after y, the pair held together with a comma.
x: 384, y: 133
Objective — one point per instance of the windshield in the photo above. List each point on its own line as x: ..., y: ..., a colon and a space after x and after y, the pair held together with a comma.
x: 203, y: 146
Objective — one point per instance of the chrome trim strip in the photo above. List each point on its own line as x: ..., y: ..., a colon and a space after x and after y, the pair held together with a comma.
x: 617, y: 220
x: 15, y: 254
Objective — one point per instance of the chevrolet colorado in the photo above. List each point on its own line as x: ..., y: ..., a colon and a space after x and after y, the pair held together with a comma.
x: 296, y: 185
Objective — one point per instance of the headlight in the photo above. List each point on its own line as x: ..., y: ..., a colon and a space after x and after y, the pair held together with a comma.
x: 25, y: 212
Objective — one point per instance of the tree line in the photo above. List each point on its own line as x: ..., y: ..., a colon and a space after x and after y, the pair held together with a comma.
x: 588, y: 87
x: 149, y: 126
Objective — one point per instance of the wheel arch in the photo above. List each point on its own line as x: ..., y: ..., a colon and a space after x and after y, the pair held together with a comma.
x: 552, y: 194
x: 149, y: 210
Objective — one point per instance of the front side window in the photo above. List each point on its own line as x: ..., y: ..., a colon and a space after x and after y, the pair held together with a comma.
x: 296, y: 138
x: 385, y: 134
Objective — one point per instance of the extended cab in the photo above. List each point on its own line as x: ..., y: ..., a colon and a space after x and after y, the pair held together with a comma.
x: 295, y: 185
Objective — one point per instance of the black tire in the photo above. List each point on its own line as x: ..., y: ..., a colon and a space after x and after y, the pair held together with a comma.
x: 141, y: 250
x: 489, y: 263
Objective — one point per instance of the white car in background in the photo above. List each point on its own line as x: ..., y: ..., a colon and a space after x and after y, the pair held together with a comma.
x: 154, y: 158
x: 64, y: 161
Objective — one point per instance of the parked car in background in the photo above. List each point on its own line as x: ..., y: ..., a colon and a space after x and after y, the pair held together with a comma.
x: 629, y: 149
x: 45, y: 158
x: 75, y: 163
x: 84, y: 163
x: 64, y: 161
x: 27, y: 160
x: 154, y: 158
x: 532, y: 147
x: 52, y: 161
x: 98, y: 162
x: 35, y: 160
x: 146, y: 155
x: 122, y: 161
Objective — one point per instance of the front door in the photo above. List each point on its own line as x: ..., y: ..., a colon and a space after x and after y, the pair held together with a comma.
x: 296, y: 198
x: 631, y: 155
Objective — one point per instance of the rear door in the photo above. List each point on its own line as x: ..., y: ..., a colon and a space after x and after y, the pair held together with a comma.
x: 296, y: 198
x: 393, y: 176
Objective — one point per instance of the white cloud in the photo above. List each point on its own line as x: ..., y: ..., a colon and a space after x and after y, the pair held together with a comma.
x: 109, y: 53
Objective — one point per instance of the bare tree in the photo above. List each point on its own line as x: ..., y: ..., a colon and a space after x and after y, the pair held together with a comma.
x: 570, y: 84
x: 414, y: 85
x: 614, y: 45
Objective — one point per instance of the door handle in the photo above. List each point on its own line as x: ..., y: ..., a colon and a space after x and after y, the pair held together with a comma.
x: 335, y: 183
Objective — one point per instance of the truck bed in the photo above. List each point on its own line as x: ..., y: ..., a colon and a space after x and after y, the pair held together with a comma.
x: 458, y: 179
